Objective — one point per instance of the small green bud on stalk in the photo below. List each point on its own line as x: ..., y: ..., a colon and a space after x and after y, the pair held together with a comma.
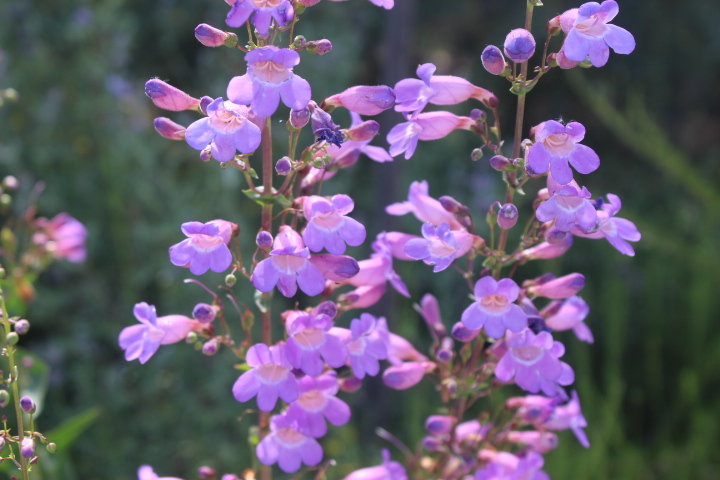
x: 12, y: 339
x: 230, y: 280
x: 51, y: 447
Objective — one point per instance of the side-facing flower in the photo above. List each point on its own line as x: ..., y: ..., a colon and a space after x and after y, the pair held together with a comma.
x: 363, y: 99
x: 569, y: 416
x: 287, y: 447
x: 264, y: 12
x: 329, y: 227
x: 309, y: 340
x: 439, y: 246
x: 556, y: 288
x: 569, y: 315
x: 63, y: 237
x: 168, y: 97
x: 617, y: 231
x: 323, y: 126
x: 407, y: 374
x: 592, y: 36
x: 366, y: 347
x: 206, y: 248
x: 269, y: 78
x: 506, y: 466
x: 378, y: 269
x: 404, y: 137
x: 424, y: 207
x: 226, y: 129
x: 494, y: 308
x: 555, y: 146
x: 269, y: 378
x: 389, y: 470
x: 317, y: 402
x: 568, y: 206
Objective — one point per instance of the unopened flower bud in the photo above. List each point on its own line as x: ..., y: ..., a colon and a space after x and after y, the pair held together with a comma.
x: 476, y: 154
x: 191, y: 338
x: 27, y: 447
x: 445, y: 353
x: 439, y: 424
x: 453, y: 206
x: 230, y: 280
x: 553, y: 26
x: 559, y: 288
x: 4, y: 398
x: 12, y: 338
x: 213, y: 37
x: 541, y: 442
x: 204, y: 313
x: 2, y: 442
x: 307, y: 3
x: 319, y: 47
x: 5, y: 199
x: 169, y: 129
x: 204, y: 103
x: 299, y: 118
x: 22, y: 327
x: 493, y: 60
x: 206, y: 473
x: 364, y: 131
x: 350, y: 384
x: 554, y: 236
x: 283, y: 166
x: 318, y: 163
x: 27, y: 405
x: 563, y: 62
x: 10, y: 183
x: 508, y: 216
x: 51, y: 447
x: 299, y: 42
x: 464, y: 334
x: 211, y: 347
x: 432, y: 444
x: 363, y: 99
x: 500, y: 163
x: 478, y: 115
x: 205, y: 154
x: 326, y: 308
x: 264, y: 240
x: 168, y: 97
x: 519, y: 45
x: 406, y: 375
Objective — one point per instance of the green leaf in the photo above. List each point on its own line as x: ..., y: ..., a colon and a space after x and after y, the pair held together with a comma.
x: 263, y: 199
x: 67, y: 432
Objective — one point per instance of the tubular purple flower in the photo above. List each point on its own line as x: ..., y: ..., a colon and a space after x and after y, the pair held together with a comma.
x: 616, y: 230
x: 363, y: 99
x: 504, y: 465
x: 287, y: 447
x: 63, y: 237
x: 569, y: 416
x: 555, y: 146
x: 406, y: 375
x: 378, y: 269
x: 364, y: 131
x: 559, y: 288
x: 519, y: 45
x: 439, y: 246
x: 146, y: 472
x: 424, y: 207
x: 540, y: 442
x: 329, y: 227
x: 169, y: 129
x: 547, y: 250
x: 494, y: 309
x: 269, y: 78
x: 168, y: 97
x: 317, y: 402
x: 389, y: 470
x: 569, y: 315
x: 365, y: 347
x: 568, y: 206
x: 270, y: 377
x: 507, y: 216
x: 439, y: 424
x: 404, y: 137
x: 362, y: 297
x: 592, y: 36
x: 430, y: 311
x: 309, y: 340
x: 493, y: 60
x: 264, y: 12
x: 214, y: 37
x: 205, y: 249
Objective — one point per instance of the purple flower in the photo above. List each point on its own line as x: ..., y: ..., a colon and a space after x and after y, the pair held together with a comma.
x: 615, y: 230
x: 556, y: 145
x: 568, y: 206
x: 532, y: 360
x: 569, y: 416
x: 569, y: 315
x: 270, y: 377
x: 493, y: 60
x: 540, y: 442
x: 365, y: 345
x: 288, y: 267
x: 287, y: 447
x: 389, y: 470
x: 169, y: 129
x: 168, y: 97
x: 547, y: 250
x: 146, y: 472
x: 269, y: 78
x: 378, y: 269
x: 308, y: 340
x: 328, y: 227
x: 27, y: 447
x: 316, y: 403
x: 63, y: 236
x: 506, y: 466
x: 407, y: 374
x: 556, y: 288
x: 226, y: 129
x: 592, y: 35
x: 363, y: 99
x: 142, y: 341
x: 264, y: 10
x: 213, y: 37
x: 206, y: 248
x: 440, y: 245
x: 494, y: 308
x: 519, y: 45
x: 424, y: 207
x: 404, y: 137
x: 323, y: 126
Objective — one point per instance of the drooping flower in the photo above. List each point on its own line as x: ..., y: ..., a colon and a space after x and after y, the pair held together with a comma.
x: 569, y: 315
x: 555, y: 288
x: 63, y: 236
x: 404, y: 137
x: 378, y: 269
x: 269, y: 378
x: 532, y: 360
x: 287, y: 447
x: 569, y: 416
x: 168, y: 97
x: 439, y: 246
x: 142, y: 341
x: 617, y: 231
x: 555, y: 146
x: 494, y: 309
x: 424, y: 207
x: 309, y: 340
x: 568, y: 206
x: 389, y: 470
x: 264, y: 12
x: 364, y: 99
x: 288, y: 267
x: 317, y: 402
x: 592, y: 36
x: 206, y: 248
x: 146, y: 472
x: 226, y: 129
x: 329, y: 227
x: 323, y: 126
x: 269, y: 78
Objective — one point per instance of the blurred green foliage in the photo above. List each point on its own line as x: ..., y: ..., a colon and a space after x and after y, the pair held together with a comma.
x: 650, y: 383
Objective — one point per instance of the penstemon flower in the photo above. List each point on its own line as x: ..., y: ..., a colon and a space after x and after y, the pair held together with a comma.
x: 205, y: 249
x: 493, y: 308
x: 269, y: 378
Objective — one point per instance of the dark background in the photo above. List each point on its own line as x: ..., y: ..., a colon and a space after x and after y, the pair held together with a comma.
x: 649, y: 385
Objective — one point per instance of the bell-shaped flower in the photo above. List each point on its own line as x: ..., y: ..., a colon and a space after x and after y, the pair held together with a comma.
x: 269, y: 78
x: 269, y: 378
x: 569, y: 315
x: 555, y: 146
x: 404, y: 137
x: 494, y: 309
x: 146, y: 472
x: 506, y: 466
x: 206, y: 248
x: 63, y: 237
x: 288, y: 267
x: 439, y: 246
x: 168, y: 97
x: 309, y: 340
x: 329, y: 227
x: 363, y: 99
x: 569, y: 416
x: 363, y: 297
x: 617, y: 231
x: 388, y: 470
x: 287, y: 447
x: 592, y: 36
x: 226, y: 129
x: 316, y: 403
x: 556, y: 288
x: 533, y: 361
x: 568, y: 206
x: 424, y: 207
x: 142, y: 341
x: 264, y: 12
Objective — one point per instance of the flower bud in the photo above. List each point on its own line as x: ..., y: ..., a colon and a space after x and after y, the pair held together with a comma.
x: 555, y: 237
x: 51, y: 447
x: 5, y: 199
x: 326, y: 308
x: 445, y: 352
x: 27, y: 447
x: 406, y: 375
x: 168, y: 97
x: 559, y: 288
x: 319, y: 47
x: 22, y: 326
x: 350, y: 384
x: 283, y: 166
x: 191, y: 338
x: 541, y: 442
x: 493, y: 60
x: 439, y: 424
x: 299, y: 118
x: 453, y: 206
x: 10, y: 183
x: 211, y: 347
x: 553, y: 26
x: 12, y: 338
x: 264, y: 240
x: 519, y: 45
x: 364, y: 131
x: 206, y: 154
x: 500, y: 163
x: 363, y: 99
x: 204, y: 313
x: 27, y: 405
x: 213, y: 37
x: 476, y: 154
x: 432, y: 444
x: 169, y: 129
x: 4, y: 398
x: 230, y: 280
x: 206, y: 473
x: 508, y: 216
x: 478, y: 115
x: 564, y: 62
x: 464, y: 334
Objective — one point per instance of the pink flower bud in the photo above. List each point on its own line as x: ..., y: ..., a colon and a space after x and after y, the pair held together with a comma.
x: 439, y: 424
x: 27, y: 405
x: 168, y: 97
x: 508, y: 216
x: 299, y: 118
x: 350, y: 384
x: 211, y: 347
x: 362, y: 297
x: 206, y: 473
x: 169, y: 129
x: 319, y: 47
x: 430, y: 311
x: 27, y: 447
x: 205, y: 102
x: 559, y: 288
x: 22, y: 327
x: 213, y: 37
x: 364, y: 99
x: 445, y: 353
x: 462, y: 333
x: 500, y: 163
x: 493, y: 60
x: 204, y: 313
x: 519, y: 45
x: 363, y: 132
x: 541, y: 442
x: 409, y: 374
x: 564, y: 62
x: 206, y: 154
